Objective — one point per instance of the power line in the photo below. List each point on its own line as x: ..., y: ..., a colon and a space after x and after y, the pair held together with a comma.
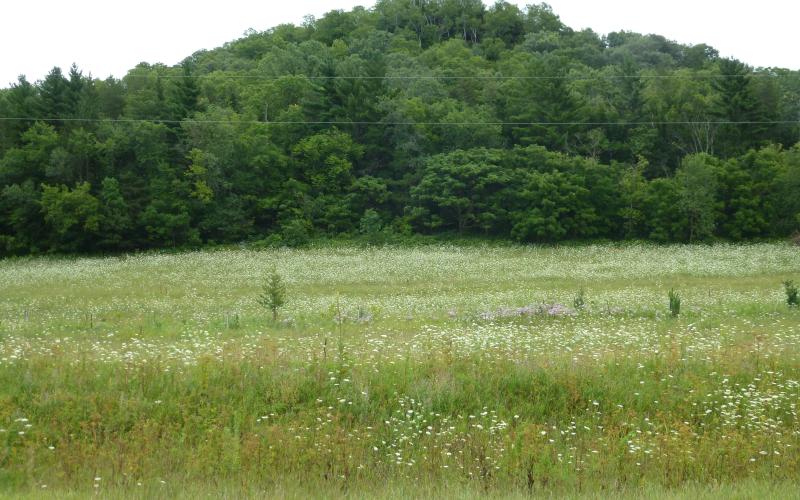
x: 469, y: 77
x: 409, y: 123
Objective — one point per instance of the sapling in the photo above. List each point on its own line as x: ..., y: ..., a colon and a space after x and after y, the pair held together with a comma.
x: 273, y: 294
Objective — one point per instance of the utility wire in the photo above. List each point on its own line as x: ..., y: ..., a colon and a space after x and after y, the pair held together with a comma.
x: 401, y: 123
x: 468, y: 77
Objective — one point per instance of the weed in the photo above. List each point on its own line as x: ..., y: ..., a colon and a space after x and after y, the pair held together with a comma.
x: 674, y: 302
x: 579, y: 302
x: 232, y: 321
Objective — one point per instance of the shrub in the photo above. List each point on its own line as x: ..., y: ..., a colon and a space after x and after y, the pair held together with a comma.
x: 791, y: 293
x: 674, y: 303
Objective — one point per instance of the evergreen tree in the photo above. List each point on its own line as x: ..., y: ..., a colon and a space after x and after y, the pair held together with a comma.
x: 736, y: 103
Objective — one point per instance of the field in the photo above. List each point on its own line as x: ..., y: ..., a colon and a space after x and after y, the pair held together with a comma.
x: 434, y: 371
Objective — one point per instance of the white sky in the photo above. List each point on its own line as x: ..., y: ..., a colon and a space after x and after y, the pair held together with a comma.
x: 108, y: 37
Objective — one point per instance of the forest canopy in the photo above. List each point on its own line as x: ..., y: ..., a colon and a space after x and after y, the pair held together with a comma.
x: 414, y: 117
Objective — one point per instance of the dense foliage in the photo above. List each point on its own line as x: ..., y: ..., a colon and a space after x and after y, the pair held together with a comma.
x: 412, y: 117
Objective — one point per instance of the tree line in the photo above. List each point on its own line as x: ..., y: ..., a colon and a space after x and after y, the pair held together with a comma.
x: 414, y: 117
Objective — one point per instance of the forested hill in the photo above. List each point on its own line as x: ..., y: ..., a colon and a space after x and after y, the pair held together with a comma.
x: 439, y: 116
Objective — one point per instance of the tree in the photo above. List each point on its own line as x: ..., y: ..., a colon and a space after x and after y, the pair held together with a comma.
x: 433, y: 116
x: 699, y: 56
x: 184, y: 91
x: 685, y: 99
x: 31, y: 160
x: 540, y: 17
x: 504, y: 21
x: 145, y: 98
x: 664, y: 222
x: 115, y: 222
x: 110, y: 98
x: 736, y: 103
x: 76, y: 161
x: 273, y: 294
x: 546, y: 108
x: 325, y: 163
x: 56, y: 96
x: 197, y: 175
x: 785, y: 198
x: 22, y: 100
x: 753, y: 189
x: 337, y: 25
x: 167, y: 217
x: 73, y: 215
x: 632, y: 191
x: 462, y: 191
x: 697, y: 197
x: 554, y: 206
x: 23, y: 227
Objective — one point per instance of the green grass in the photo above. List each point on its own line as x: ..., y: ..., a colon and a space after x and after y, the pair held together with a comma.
x: 743, y: 490
x: 437, y: 371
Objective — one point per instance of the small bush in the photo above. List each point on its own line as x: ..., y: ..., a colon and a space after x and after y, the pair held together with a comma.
x: 791, y: 293
x: 674, y: 303
x: 273, y: 294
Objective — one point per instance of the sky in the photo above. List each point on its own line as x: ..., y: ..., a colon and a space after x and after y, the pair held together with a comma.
x: 108, y: 37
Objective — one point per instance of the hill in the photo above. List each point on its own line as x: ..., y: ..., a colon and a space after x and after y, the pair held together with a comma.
x: 412, y: 117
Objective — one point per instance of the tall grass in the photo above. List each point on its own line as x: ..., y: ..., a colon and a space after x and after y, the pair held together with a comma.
x: 401, y: 372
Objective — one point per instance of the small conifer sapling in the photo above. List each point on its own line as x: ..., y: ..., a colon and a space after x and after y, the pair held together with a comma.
x: 273, y: 294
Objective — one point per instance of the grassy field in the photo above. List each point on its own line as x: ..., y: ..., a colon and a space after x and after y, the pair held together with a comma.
x: 438, y: 371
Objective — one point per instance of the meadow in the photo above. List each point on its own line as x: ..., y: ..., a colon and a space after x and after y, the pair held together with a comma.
x: 392, y: 372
